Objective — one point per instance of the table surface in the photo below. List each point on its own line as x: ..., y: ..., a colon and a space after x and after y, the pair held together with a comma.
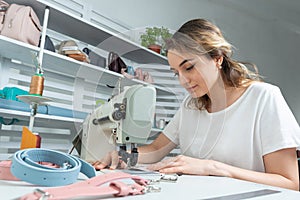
x: 186, y: 187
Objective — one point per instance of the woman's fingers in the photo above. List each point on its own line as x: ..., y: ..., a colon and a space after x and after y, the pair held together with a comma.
x: 117, y: 162
x: 171, y: 170
x: 122, y: 165
x: 163, y: 164
x: 104, y: 162
x: 112, y: 159
x: 115, y: 159
x: 99, y: 166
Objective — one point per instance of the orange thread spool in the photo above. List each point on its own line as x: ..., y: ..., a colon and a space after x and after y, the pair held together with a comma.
x: 37, y: 85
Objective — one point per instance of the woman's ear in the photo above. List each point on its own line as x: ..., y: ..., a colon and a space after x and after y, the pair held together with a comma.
x: 219, y: 61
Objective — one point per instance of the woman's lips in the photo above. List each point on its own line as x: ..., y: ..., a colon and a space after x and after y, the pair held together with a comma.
x: 191, y: 89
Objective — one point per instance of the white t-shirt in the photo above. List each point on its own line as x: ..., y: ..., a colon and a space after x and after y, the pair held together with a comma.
x: 258, y: 123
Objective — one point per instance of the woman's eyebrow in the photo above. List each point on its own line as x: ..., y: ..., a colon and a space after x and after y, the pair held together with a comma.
x: 184, y: 61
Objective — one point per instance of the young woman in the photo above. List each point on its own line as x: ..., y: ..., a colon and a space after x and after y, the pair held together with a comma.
x: 231, y: 124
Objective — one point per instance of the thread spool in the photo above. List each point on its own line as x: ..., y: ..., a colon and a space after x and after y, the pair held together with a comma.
x: 37, y: 85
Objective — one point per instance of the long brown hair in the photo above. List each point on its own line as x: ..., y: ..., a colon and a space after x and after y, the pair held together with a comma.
x: 202, y: 37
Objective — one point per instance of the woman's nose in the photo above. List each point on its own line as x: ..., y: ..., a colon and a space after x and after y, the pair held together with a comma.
x: 183, y: 79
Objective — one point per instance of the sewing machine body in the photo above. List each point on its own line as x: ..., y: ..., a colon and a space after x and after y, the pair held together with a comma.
x: 125, y: 120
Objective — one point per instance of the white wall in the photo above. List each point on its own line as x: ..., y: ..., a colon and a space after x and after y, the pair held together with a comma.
x: 265, y: 32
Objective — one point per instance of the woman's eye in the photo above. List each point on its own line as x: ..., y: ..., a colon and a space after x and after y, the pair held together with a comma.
x: 189, y: 68
x: 176, y: 74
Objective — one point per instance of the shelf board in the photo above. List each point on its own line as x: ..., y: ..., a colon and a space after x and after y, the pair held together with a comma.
x: 17, y: 50
x: 90, y: 73
x: 70, y: 67
x: 16, y: 145
x: 66, y: 66
x: 7, y: 113
x: 69, y: 24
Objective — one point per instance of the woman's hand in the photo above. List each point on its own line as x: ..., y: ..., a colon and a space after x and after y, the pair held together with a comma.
x: 111, y: 160
x: 183, y: 165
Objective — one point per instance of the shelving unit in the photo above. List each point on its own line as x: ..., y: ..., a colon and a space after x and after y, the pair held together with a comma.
x: 85, y: 31
x: 72, y: 84
x: 53, y: 62
x: 16, y: 50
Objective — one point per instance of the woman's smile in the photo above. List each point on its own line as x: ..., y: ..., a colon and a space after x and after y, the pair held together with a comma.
x: 192, y: 88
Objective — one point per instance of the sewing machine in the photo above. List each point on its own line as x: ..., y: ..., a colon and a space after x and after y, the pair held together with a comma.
x: 125, y: 121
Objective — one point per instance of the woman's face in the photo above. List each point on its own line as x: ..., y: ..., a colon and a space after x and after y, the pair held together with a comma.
x: 197, y: 74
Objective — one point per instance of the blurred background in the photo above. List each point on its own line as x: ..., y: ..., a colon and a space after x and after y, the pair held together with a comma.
x: 265, y: 32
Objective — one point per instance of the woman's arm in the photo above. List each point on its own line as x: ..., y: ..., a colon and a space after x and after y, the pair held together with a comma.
x: 281, y: 170
x: 151, y: 153
x: 155, y: 151
x: 280, y: 166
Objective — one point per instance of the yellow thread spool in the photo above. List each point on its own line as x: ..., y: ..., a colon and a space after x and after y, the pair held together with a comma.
x: 37, y: 85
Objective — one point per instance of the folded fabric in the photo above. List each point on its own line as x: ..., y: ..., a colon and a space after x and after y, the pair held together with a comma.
x: 49, y: 110
x: 11, y: 93
x: 71, y: 49
x: 68, y: 45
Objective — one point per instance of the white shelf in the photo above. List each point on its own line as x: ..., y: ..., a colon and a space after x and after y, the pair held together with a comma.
x: 42, y: 118
x: 68, y: 24
x: 90, y: 73
x: 83, y: 30
x: 16, y: 145
x: 61, y: 67
x: 66, y: 66
x: 17, y: 50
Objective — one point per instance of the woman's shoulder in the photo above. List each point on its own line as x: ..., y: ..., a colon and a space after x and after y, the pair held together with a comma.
x: 263, y: 87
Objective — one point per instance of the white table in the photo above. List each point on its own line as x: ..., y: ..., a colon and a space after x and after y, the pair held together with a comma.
x: 186, y: 188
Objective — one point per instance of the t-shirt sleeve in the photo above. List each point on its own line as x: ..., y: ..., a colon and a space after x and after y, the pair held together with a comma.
x: 278, y: 126
x: 172, y: 129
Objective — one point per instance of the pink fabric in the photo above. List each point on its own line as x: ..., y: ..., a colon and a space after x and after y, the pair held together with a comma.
x: 5, y: 173
x: 94, y: 187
